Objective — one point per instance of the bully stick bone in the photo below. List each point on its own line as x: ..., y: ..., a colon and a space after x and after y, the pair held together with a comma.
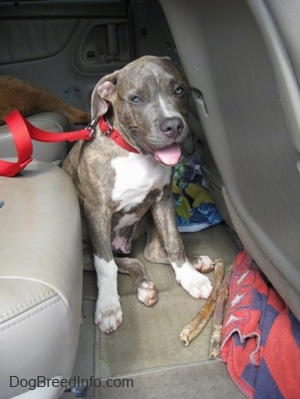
x: 216, y: 335
x: 198, y: 323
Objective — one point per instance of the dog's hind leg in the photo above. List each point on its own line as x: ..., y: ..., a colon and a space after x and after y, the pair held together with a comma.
x: 143, y: 287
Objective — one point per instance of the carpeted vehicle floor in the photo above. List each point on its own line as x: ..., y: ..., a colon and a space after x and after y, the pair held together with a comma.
x: 145, y: 358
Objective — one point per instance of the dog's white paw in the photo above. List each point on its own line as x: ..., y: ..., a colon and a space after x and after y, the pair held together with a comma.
x: 197, y: 285
x: 108, y: 317
x: 146, y: 293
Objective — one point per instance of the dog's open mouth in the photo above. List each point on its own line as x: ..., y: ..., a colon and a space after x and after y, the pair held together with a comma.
x: 169, y: 155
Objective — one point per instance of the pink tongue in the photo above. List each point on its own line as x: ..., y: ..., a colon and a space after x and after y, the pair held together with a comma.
x: 169, y: 155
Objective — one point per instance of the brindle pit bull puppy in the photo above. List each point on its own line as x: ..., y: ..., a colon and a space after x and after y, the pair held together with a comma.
x: 123, y: 181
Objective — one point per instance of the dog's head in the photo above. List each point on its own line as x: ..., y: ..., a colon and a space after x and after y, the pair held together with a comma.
x: 149, y: 99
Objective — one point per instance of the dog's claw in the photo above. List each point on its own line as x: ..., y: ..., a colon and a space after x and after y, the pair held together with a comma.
x: 109, y: 320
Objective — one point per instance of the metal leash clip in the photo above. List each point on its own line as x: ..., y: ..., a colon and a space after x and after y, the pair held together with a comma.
x: 92, y: 127
x: 109, y: 129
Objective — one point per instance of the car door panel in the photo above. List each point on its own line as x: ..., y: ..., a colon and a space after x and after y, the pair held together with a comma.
x: 64, y: 49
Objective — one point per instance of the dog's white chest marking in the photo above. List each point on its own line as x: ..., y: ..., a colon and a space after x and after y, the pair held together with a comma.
x: 136, y: 176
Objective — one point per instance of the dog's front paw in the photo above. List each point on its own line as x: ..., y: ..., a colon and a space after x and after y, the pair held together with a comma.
x: 146, y: 293
x: 197, y: 285
x: 108, y: 317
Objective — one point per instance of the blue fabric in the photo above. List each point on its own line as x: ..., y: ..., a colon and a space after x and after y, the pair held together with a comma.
x: 194, y: 207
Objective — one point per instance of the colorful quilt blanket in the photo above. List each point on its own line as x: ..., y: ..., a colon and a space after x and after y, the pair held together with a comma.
x: 261, y: 337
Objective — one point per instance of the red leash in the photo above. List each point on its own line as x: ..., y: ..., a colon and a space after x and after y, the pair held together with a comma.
x: 23, y: 132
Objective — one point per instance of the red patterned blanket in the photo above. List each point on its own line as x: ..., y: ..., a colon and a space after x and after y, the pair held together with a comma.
x: 261, y: 337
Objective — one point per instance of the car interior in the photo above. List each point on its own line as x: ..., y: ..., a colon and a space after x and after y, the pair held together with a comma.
x: 242, y: 62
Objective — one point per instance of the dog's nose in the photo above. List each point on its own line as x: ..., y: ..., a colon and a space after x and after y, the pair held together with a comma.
x: 171, y: 127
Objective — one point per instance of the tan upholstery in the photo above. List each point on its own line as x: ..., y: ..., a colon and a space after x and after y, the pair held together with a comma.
x: 40, y: 279
x: 48, y: 152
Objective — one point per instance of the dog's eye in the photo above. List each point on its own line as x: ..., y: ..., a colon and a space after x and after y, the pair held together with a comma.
x: 136, y: 99
x: 179, y: 90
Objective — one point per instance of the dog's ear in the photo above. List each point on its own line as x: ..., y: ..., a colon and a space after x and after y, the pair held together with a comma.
x: 102, y: 94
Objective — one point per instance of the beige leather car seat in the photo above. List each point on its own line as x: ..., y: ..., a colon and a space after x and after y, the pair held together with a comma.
x: 40, y: 271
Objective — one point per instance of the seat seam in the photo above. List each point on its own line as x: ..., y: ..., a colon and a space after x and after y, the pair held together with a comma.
x: 26, y: 306
x: 32, y: 314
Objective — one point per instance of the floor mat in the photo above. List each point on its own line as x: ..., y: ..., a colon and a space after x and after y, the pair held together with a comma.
x: 149, y: 337
x: 207, y: 380
x: 147, y: 346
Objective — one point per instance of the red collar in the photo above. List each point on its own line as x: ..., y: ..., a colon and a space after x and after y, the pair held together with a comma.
x: 114, y: 134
